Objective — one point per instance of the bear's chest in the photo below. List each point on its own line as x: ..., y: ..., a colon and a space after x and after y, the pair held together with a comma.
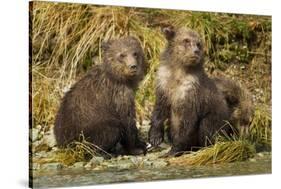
x: 182, y: 89
x: 123, y: 100
x: 177, y: 85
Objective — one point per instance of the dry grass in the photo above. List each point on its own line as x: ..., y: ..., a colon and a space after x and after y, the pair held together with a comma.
x: 66, y: 41
x: 235, y: 148
x: 75, y: 152
x: 260, y: 128
x: 221, y: 152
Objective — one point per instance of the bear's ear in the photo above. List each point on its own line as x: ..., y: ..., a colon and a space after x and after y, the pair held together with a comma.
x: 169, y: 32
x: 105, y: 45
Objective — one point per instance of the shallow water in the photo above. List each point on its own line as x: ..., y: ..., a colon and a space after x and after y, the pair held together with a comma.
x: 76, y: 177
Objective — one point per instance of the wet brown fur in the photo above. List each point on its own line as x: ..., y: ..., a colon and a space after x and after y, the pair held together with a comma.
x: 101, y: 106
x: 239, y: 102
x: 186, y: 96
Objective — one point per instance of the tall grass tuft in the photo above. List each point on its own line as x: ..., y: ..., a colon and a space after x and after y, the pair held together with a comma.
x: 221, y: 152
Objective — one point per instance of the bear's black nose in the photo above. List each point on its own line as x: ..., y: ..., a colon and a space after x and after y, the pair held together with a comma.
x: 133, y: 67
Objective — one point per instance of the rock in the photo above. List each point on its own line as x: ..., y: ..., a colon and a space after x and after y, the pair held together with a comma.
x: 152, y: 156
x: 78, y: 164
x: 52, y: 166
x: 97, y: 160
x: 39, y: 127
x: 34, y: 146
x: 122, y: 164
x: 42, y: 154
x: 252, y: 160
x: 146, y: 122
x: 136, y: 160
x: 35, y: 134
x: 35, y: 166
x: 147, y: 163
x: 164, y: 145
x: 138, y: 125
x: 49, y: 138
x: 42, y: 147
x: 88, y: 165
x: 125, y: 165
x: 55, y: 148
x: 155, y: 163
x: 98, y: 168
x: 159, y: 164
x: 260, y: 154
x: 124, y: 157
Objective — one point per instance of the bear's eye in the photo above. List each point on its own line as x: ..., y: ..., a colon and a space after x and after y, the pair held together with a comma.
x: 199, y: 45
x: 187, y: 41
x: 135, y: 54
x: 122, y: 55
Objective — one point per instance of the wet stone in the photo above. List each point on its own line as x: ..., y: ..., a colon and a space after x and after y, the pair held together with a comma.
x: 35, y: 134
x: 155, y: 164
x: 43, y: 154
x: 97, y: 160
x: 124, y: 164
x: 52, y: 166
x: 136, y: 159
x: 78, y: 164
x: 35, y: 166
x: 94, y: 162
x: 146, y: 122
x: 39, y: 127
x: 147, y: 163
x: 49, y: 138
x: 160, y: 164
x: 252, y: 160
x: 98, y: 168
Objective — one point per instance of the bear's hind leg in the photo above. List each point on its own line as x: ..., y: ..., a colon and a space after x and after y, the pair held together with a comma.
x: 211, y: 127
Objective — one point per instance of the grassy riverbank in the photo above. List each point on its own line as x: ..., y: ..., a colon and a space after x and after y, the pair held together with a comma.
x: 66, y: 41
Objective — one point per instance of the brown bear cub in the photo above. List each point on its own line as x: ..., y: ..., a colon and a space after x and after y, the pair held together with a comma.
x: 239, y: 102
x: 185, y: 95
x: 101, y: 106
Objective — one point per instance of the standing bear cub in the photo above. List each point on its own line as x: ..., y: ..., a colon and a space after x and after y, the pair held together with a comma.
x: 185, y: 95
x: 101, y: 106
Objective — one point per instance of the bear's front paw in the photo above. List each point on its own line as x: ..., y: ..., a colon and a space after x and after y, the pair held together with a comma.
x: 140, y: 148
